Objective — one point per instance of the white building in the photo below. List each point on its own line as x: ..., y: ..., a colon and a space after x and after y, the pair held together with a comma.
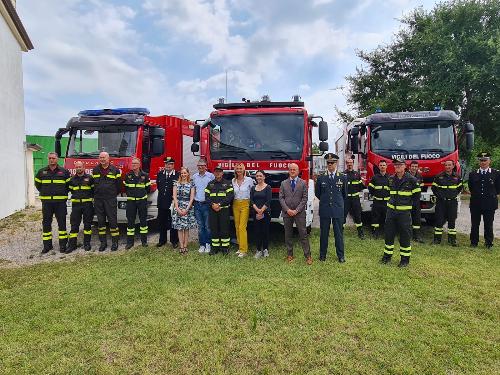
x: 13, y: 42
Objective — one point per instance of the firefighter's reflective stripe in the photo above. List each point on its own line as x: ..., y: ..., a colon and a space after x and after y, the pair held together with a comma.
x: 73, y: 235
x: 114, y: 232
x: 130, y: 231
x: 381, y: 199
x: 354, y: 182
x: 415, y: 226
x: 207, y: 191
x: 405, y: 251
x: 102, y: 230
x: 404, y: 193
x: 438, y: 230
x: 137, y: 199
x: 138, y: 185
x: 143, y: 230
x: 109, y: 175
x: 389, y: 249
x: 87, y: 231
x: 63, y: 234
x: 452, y: 231
x: 416, y: 190
x: 353, y: 195
x: 46, y: 236
x: 399, y: 208
x: 225, y: 242
x: 447, y: 186
x: 215, y: 242
x: 82, y: 200
x: 83, y: 187
x: 51, y: 181
x: 379, y: 187
x: 53, y: 197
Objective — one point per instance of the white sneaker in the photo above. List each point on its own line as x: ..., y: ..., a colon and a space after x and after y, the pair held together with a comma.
x: 266, y: 253
x: 258, y: 255
x: 242, y: 255
x: 207, y: 248
x: 237, y: 253
x: 201, y: 250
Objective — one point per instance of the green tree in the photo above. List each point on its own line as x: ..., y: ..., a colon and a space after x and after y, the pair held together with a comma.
x: 448, y: 56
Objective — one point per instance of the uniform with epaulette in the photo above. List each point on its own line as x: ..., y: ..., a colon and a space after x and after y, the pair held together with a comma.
x: 402, y: 192
x: 137, y: 188
x: 331, y: 190
x: 221, y: 193
x: 107, y: 185
x: 446, y: 187
x: 379, y: 190
x: 82, y: 207
x: 484, y: 187
x: 416, y: 211
x: 53, y: 187
x: 165, y: 185
x: 352, y: 203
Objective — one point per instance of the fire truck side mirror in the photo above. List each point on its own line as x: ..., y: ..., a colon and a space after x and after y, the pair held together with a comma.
x: 57, y: 145
x: 469, y: 136
x: 196, y: 133
x: 323, y: 146
x: 158, y: 146
x: 323, y: 131
x: 353, y: 139
x: 195, y: 147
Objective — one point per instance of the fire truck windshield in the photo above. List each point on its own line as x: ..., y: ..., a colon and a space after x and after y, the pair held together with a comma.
x: 436, y: 138
x: 89, y: 142
x: 260, y: 136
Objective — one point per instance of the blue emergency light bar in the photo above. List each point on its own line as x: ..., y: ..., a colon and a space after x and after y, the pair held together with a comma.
x: 114, y: 111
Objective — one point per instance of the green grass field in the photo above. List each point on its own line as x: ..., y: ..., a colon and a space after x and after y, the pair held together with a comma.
x: 148, y: 311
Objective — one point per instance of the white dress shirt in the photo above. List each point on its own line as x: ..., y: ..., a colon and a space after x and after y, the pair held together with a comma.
x: 243, y: 191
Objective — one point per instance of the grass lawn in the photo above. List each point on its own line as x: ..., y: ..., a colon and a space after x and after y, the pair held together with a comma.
x: 148, y: 311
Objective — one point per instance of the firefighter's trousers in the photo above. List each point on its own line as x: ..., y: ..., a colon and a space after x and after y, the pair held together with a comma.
x: 219, y: 226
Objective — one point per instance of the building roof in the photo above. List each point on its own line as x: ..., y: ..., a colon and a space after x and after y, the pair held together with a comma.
x: 8, y: 11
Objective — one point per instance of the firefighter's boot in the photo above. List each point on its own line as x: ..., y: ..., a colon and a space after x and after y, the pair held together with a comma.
x: 404, y: 262
x: 114, y: 243
x: 360, y: 232
x: 104, y: 244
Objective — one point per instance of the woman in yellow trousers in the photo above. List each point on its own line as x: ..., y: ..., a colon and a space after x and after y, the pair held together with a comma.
x: 242, y: 185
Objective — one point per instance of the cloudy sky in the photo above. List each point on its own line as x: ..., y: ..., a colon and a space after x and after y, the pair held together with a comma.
x: 171, y: 55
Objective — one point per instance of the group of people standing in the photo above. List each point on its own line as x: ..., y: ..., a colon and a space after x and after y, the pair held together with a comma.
x: 205, y: 201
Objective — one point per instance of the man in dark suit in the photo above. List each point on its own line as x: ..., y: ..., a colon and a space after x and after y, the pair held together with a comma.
x: 331, y: 190
x: 293, y: 200
x: 484, y: 187
x: 165, y: 183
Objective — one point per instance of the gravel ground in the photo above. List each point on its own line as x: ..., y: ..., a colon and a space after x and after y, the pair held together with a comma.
x: 20, y: 239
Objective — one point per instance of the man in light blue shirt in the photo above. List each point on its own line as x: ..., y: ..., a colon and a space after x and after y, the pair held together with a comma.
x: 201, y: 208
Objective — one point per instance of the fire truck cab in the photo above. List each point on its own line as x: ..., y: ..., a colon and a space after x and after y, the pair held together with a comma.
x: 429, y: 137
x: 125, y: 133
x: 263, y: 135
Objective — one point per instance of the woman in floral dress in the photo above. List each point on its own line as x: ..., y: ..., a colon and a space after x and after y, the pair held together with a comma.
x: 183, y: 218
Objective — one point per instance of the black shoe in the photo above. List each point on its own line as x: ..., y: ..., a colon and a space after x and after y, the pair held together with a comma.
x: 211, y: 252
x: 361, y: 234
x: 114, y: 246
x: 63, y: 250
x: 175, y: 245
x: 403, y: 264
x: 385, y: 259
x: 453, y: 243
x: 45, y: 250
x: 87, y: 247
x: 322, y: 259
x: 342, y: 260
x: 489, y: 246
x: 473, y: 245
x: 128, y: 246
x: 436, y: 241
x: 160, y: 244
x: 144, y: 244
x: 103, y: 246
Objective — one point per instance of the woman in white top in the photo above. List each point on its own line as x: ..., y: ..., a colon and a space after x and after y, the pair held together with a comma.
x: 242, y: 185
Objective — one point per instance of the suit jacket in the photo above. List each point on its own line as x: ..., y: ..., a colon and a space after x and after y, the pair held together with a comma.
x: 331, y: 195
x: 293, y: 200
x: 165, y: 189
x: 484, y: 189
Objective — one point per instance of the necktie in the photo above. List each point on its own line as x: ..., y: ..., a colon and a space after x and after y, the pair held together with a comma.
x: 331, y: 176
x: 293, y: 185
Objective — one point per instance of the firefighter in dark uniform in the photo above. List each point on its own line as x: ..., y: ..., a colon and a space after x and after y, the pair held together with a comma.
x: 81, y: 186
x: 402, y: 189
x: 331, y: 190
x: 107, y: 185
x: 165, y: 184
x: 137, y: 187
x: 352, y: 203
x: 484, y: 187
x: 219, y: 194
x: 379, y: 190
x: 416, y: 215
x: 52, y: 183
x: 446, y: 187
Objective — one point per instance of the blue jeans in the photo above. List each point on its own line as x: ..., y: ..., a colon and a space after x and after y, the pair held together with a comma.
x: 201, y: 210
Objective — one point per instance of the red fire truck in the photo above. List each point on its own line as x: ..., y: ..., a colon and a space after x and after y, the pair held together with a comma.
x: 430, y: 137
x: 126, y: 133
x: 263, y: 135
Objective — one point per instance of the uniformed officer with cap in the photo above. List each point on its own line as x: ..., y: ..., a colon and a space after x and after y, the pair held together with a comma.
x: 446, y: 187
x: 219, y: 194
x: 165, y: 183
x: 484, y: 187
x: 402, y: 190
x: 331, y: 190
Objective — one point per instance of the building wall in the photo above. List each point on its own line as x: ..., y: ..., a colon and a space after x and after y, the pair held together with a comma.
x: 12, y: 131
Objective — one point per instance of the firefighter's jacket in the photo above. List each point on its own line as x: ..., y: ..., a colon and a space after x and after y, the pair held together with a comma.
x: 52, y: 184
x: 403, y: 192
x: 379, y: 187
x: 221, y: 192
x: 82, y: 188
x: 107, y: 182
x: 138, y: 186
x: 447, y: 186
